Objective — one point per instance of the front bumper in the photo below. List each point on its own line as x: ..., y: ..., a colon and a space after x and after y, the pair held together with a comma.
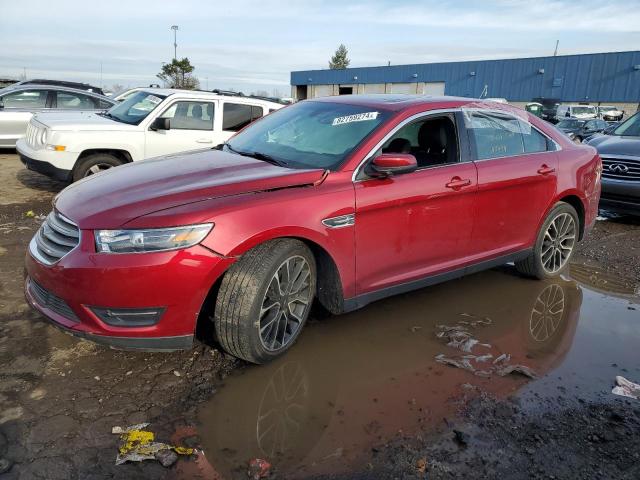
x: 57, y: 165
x: 620, y: 196
x: 177, y: 280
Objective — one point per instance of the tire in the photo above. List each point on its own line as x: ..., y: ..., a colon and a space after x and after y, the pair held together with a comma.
x: 94, y: 164
x: 248, y: 319
x: 540, y: 264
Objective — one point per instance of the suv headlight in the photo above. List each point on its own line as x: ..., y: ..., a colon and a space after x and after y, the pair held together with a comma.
x: 150, y: 240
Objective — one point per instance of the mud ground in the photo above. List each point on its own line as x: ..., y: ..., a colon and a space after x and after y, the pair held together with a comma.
x: 60, y: 397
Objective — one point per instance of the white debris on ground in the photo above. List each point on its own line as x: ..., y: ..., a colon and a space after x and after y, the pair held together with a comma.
x: 481, y: 359
x: 626, y: 388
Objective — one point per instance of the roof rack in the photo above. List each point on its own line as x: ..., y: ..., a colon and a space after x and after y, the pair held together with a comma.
x: 62, y: 83
x: 231, y: 93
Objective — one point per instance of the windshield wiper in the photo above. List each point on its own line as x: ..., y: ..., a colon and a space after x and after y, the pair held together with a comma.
x: 112, y: 117
x: 258, y: 156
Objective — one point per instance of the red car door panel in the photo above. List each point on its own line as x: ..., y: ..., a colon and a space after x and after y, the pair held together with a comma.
x: 513, y: 194
x: 413, y: 225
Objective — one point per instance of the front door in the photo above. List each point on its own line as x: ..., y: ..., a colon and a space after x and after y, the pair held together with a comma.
x: 191, y: 125
x: 517, y: 179
x: 418, y: 224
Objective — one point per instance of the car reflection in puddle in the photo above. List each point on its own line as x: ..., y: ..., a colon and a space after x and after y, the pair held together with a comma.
x: 354, y: 381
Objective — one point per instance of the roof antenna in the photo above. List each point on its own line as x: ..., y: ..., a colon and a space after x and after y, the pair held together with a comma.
x: 555, y: 53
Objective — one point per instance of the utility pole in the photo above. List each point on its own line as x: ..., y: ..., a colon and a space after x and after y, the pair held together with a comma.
x: 175, y: 41
x: 555, y: 53
x: 101, y: 75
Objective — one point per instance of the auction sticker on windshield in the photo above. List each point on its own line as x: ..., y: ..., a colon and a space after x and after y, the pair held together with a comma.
x: 153, y: 99
x: 358, y: 117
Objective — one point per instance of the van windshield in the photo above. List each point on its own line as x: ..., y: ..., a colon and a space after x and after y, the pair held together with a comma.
x: 135, y: 108
x: 309, y: 134
x: 581, y: 110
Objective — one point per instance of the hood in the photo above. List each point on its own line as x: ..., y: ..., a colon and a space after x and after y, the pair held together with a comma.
x: 121, y: 194
x: 80, y: 121
x: 615, y: 145
x: 582, y: 116
x: 570, y: 129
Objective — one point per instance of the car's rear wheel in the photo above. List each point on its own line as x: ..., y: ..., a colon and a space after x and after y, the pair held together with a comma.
x: 96, y: 163
x: 555, y: 244
x: 264, y: 300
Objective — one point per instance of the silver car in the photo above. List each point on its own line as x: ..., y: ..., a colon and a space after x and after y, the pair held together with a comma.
x: 18, y: 103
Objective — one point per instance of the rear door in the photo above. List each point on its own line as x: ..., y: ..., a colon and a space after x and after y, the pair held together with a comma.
x: 17, y: 109
x: 191, y: 123
x: 517, y: 179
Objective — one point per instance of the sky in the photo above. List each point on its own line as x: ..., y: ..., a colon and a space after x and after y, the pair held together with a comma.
x: 252, y: 45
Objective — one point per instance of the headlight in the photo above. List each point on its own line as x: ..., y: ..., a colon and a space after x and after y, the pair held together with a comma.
x: 151, y: 240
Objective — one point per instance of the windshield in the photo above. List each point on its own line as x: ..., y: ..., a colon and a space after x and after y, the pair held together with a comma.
x: 571, y: 124
x: 629, y: 128
x: 309, y: 134
x: 581, y: 110
x: 607, y: 109
x: 135, y: 108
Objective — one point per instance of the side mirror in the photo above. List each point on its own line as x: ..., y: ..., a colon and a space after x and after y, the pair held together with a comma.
x: 161, y: 124
x: 388, y: 164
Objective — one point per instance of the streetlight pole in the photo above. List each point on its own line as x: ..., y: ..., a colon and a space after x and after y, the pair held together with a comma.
x: 175, y: 41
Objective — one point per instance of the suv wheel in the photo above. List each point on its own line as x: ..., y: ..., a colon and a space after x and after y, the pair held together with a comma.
x: 264, y: 300
x: 555, y: 244
x: 95, y: 163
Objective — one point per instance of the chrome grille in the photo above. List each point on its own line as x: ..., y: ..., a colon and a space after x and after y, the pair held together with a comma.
x: 46, y: 299
x: 621, y: 169
x: 34, y: 135
x: 56, y: 237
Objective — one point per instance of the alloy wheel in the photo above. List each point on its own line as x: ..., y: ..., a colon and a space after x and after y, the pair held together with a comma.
x: 285, y: 303
x: 558, y: 243
x: 97, y: 168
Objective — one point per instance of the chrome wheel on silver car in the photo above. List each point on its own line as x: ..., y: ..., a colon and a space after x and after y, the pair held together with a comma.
x: 285, y: 303
x: 97, y: 168
x: 557, y: 245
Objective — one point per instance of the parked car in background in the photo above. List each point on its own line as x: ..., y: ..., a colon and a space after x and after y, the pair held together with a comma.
x: 582, y: 112
x: 578, y: 130
x: 18, y: 103
x: 535, y: 108
x: 497, y: 100
x: 63, y: 83
x: 149, y: 123
x: 610, y: 113
x: 620, y: 152
x: 346, y: 199
x: 550, y: 106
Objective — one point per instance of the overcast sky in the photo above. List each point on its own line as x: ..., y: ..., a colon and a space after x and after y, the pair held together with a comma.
x: 255, y: 44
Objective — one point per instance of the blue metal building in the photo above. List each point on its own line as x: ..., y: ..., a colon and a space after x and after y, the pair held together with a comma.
x: 598, y: 77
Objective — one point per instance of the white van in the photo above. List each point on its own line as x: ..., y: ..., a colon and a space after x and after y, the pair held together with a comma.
x: 149, y: 123
x: 583, y: 112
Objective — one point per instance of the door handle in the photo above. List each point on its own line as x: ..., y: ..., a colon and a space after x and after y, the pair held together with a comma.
x: 546, y: 170
x: 457, y: 183
x: 204, y: 140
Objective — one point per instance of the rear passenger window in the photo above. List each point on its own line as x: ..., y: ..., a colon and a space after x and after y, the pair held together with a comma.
x: 75, y: 101
x: 190, y: 115
x: 236, y: 116
x: 534, y: 141
x: 495, y: 135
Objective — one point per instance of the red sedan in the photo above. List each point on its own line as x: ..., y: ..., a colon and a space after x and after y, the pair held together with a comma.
x: 345, y: 200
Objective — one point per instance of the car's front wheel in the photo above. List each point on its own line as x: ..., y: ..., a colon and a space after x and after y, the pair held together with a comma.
x: 264, y: 300
x: 96, y: 163
x: 554, y: 245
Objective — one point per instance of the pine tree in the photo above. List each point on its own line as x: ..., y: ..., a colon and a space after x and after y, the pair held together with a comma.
x: 340, y: 61
x: 178, y: 74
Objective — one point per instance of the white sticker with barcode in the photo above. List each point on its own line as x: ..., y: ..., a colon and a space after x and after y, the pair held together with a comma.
x: 358, y: 117
x: 153, y: 99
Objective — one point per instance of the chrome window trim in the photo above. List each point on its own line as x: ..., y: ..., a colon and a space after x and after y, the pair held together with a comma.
x: 404, y: 122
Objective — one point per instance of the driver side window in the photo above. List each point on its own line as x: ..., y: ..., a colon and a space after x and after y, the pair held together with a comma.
x: 433, y: 141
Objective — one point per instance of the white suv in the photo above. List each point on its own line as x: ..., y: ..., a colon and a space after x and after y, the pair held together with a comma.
x: 582, y: 112
x: 150, y: 123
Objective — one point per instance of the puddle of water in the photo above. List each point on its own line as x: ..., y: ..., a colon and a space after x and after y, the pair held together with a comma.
x: 357, y: 380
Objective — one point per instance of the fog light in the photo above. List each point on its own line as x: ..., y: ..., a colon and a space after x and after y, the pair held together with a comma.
x: 129, y: 317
